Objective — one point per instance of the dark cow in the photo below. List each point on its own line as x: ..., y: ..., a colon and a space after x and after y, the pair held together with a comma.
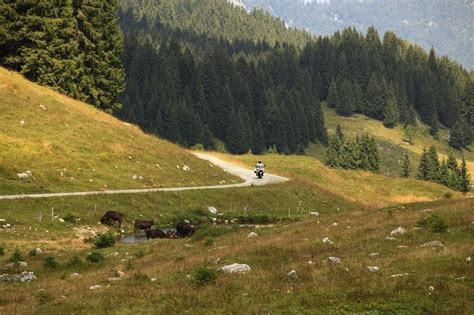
x: 154, y: 234
x: 184, y: 229
x: 142, y: 225
x: 112, y: 216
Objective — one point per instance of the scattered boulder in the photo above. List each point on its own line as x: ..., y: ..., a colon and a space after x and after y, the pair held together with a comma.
x: 212, y: 210
x: 390, y: 238
x: 373, y: 254
x: 398, y: 231
x: 314, y: 214
x: 326, y: 240
x: 22, y: 122
x: 120, y: 274
x: 399, y: 275
x: 42, y: 107
x: 292, y: 274
x: 235, y: 268
x: 373, y: 269
x: 433, y: 244
x: 94, y: 287
x: 252, y: 234
x: 75, y: 275
x: 38, y: 251
x: 431, y: 288
x: 468, y: 259
x: 310, y: 262
x: 186, y: 168
x: 24, y: 175
x: 335, y: 224
x: 25, y: 276
x: 112, y: 279
x: 334, y: 260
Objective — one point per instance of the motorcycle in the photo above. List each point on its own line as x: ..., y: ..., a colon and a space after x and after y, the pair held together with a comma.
x: 259, y: 172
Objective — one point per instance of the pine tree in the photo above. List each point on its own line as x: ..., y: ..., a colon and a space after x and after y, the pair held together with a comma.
x: 433, y: 164
x: 460, y: 135
x: 443, y: 176
x: 452, y: 163
x: 406, y: 168
x: 465, y: 178
x: 375, y: 101
x: 258, y: 143
x: 332, y: 94
x: 345, y: 104
x: 333, y: 153
x: 423, y: 166
x: 391, y: 113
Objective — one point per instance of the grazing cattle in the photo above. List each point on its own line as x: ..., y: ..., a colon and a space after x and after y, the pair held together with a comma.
x: 155, y: 234
x: 142, y: 225
x: 184, y: 229
x: 112, y: 216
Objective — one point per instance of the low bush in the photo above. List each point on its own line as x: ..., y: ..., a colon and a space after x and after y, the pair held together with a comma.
x: 74, y: 261
x: 204, y: 276
x: 70, y: 218
x: 128, y: 265
x: 435, y: 222
x: 104, y: 240
x: 95, y: 257
x: 16, y: 256
x: 50, y: 263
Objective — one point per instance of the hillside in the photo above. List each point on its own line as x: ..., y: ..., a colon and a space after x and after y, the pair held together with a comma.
x: 391, y: 142
x: 445, y: 25
x: 71, y: 146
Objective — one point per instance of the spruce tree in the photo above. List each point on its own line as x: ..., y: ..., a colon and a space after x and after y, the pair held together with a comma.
x: 443, y: 176
x: 345, y: 102
x: 333, y: 153
x: 423, y: 166
x: 391, y: 113
x: 332, y: 94
x: 452, y: 163
x: 433, y: 164
x: 406, y: 168
x: 465, y: 178
x: 375, y: 101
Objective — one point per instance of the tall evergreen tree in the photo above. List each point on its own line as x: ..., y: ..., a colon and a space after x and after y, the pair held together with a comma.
x: 345, y: 104
x: 332, y: 94
x: 391, y: 113
x: 423, y: 166
x: 406, y: 168
x: 465, y: 178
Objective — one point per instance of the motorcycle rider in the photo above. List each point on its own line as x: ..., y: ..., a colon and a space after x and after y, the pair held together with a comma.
x: 259, y: 166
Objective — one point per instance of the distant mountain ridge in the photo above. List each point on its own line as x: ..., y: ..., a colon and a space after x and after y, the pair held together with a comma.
x: 445, y: 25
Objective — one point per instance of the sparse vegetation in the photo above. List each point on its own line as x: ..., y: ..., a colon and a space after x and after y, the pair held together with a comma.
x: 203, y: 276
x: 74, y: 261
x: 95, y: 257
x: 50, y: 263
x: 16, y: 256
x: 435, y: 222
x: 70, y: 218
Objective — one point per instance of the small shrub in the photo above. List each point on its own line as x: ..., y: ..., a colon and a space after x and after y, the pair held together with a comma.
x: 103, y: 240
x: 204, y: 276
x: 435, y: 222
x: 140, y: 254
x: 44, y: 297
x: 74, y: 261
x: 128, y: 265
x: 50, y: 263
x: 70, y: 218
x: 95, y: 257
x: 197, y: 147
x: 16, y: 256
x: 139, y: 278
x: 2, y: 250
x: 448, y: 195
x: 209, y: 242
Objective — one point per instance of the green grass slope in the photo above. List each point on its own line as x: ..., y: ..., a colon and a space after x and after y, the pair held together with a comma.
x: 391, y: 141
x: 71, y: 146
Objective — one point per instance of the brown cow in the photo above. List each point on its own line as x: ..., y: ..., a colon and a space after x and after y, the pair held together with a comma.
x: 154, y: 234
x: 112, y: 216
x: 142, y: 225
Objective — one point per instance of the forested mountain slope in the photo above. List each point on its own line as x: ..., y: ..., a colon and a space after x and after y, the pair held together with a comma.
x: 191, y: 86
x: 445, y: 25
x: 52, y: 143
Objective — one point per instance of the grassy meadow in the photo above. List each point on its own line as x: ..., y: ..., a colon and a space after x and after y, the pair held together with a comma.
x: 391, y: 141
x: 71, y: 146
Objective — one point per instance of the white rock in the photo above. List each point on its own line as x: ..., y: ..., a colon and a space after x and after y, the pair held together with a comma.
x: 402, y: 246
x: 186, y: 168
x: 212, y: 210
x: 373, y: 268
x: 310, y: 262
x: 3, y: 220
x: 398, y: 231
x: 390, y: 238
x: 38, y: 251
x: 334, y: 260
x: 335, y: 224
x: 23, y: 175
x: 468, y: 259
x: 188, y: 277
x: 431, y: 288
x: 75, y: 275
x: 115, y: 279
x: 399, y: 275
x: 433, y: 244
x: 153, y: 279
x: 314, y: 214
x: 121, y: 274
x: 22, y: 122
x: 61, y: 220
x: 42, y: 107
x: 326, y: 240
x: 235, y: 268
x: 373, y: 254
x: 292, y: 274
x: 130, y: 157
x: 217, y: 261
x: 94, y: 287
x: 252, y: 234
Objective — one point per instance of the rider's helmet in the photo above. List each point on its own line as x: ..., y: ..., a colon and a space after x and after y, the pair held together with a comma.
x: 259, y: 162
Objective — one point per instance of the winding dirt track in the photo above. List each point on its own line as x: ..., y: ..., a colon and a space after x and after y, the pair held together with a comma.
x: 247, y: 175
